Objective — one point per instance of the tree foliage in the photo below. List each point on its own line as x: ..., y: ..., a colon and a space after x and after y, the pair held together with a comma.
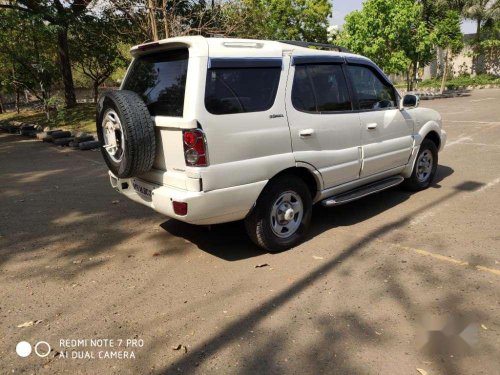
x: 28, y: 56
x: 96, y: 50
x: 60, y: 15
x: 392, y: 33
x: 448, y: 36
x: 401, y: 36
x: 305, y: 20
x: 146, y: 20
x: 486, y: 14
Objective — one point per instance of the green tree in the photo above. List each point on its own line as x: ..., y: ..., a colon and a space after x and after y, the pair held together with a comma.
x: 60, y: 15
x: 486, y: 13
x: 305, y: 20
x: 490, y: 47
x: 27, y: 56
x: 97, y: 51
x: 392, y: 33
x: 145, y: 20
x: 449, y: 37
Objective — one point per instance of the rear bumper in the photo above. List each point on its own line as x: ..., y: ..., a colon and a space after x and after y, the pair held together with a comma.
x: 212, y: 207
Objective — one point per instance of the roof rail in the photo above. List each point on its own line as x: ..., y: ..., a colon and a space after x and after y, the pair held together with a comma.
x: 312, y: 44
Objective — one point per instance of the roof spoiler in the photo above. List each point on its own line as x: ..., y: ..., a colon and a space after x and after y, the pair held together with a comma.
x: 312, y: 44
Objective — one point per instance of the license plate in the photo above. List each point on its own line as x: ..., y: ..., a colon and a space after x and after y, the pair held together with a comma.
x: 143, y: 189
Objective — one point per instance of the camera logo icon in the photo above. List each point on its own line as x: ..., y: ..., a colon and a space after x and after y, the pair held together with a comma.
x: 24, y: 349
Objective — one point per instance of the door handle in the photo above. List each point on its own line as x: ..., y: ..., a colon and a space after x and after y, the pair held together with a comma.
x: 371, y: 125
x: 306, y: 133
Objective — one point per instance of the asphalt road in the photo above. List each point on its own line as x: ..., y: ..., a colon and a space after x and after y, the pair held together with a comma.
x: 79, y: 261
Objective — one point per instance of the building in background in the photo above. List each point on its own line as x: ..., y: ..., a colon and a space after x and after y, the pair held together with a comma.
x: 462, y: 64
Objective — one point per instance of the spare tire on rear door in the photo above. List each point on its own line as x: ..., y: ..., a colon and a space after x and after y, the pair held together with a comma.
x: 126, y: 132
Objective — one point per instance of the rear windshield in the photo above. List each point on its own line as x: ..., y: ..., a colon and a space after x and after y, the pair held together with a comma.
x: 160, y: 79
x: 240, y: 90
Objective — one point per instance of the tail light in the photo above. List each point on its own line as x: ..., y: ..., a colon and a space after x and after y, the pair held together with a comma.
x: 195, y: 148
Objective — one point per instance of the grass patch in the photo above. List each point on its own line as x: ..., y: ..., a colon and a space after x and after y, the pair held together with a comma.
x: 79, y: 118
x: 456, y: 82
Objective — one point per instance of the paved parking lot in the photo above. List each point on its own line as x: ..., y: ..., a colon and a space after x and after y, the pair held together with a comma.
x: 79, y: 261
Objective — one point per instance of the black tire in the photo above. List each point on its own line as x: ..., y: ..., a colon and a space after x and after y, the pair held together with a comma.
x: 84, y: 138
x: 63, y: 141
x: 413, y: 183
x: 61, y: 134
x: 89, y: 145
x: 138, y: 151
x: 258, y: 223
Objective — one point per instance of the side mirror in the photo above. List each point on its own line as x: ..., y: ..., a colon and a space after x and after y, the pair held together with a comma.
x: 410, y: 101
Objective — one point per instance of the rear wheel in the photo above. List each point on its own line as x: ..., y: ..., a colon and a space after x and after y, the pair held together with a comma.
x: 281, y: 216
x: 425, y: 167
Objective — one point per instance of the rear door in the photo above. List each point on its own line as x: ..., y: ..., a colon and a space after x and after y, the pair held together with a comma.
x: 386, y: 131
x: 160, y: 79
x: 325, y: 131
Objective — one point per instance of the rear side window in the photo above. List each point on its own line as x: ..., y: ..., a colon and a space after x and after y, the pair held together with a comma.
x: 160, y: 79
x: 241, y: 90
x: 372, y: 92
x: 320, y: 88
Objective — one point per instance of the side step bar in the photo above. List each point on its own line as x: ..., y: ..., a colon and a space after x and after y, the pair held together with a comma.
x: 362, y: 191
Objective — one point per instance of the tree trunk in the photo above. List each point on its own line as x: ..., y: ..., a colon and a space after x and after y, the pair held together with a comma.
x: 17, y: 100
x: 165, y: 18
x: 65, y: 62
x: 413, y: 75
x: 408, y: 79
x: 45, y: 99
x: 153, y: 28
x: 477, y: 50
x: 1, y: 105
x: 445, y: 72
x: 96, y: 90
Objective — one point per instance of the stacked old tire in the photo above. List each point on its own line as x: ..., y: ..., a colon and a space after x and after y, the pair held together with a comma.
x: 78, y: 140
x: 58, y: 137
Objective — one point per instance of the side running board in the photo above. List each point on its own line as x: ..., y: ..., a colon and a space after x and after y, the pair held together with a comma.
x: 362, y: 191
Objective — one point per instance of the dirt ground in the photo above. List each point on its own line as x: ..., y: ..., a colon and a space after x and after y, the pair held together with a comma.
x: 361, y: 296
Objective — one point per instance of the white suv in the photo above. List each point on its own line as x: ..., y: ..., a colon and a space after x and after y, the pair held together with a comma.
x: 209, y: 130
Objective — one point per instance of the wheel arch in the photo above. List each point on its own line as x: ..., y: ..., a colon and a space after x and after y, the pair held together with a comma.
x: 430, y: 129
x: 306, y: 173
x: 434, y: 137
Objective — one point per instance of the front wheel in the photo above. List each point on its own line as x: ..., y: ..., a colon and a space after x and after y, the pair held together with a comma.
x: 425, y: 167
x: 281, y: 216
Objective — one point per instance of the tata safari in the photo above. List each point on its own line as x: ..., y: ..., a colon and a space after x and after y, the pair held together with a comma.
x: 213, y: 130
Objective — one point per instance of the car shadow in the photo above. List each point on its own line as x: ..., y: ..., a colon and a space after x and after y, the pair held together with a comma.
x: 230, y: 242
x: 442, y: 173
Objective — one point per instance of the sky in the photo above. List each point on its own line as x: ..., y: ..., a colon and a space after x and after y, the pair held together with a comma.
x: 341, y: 8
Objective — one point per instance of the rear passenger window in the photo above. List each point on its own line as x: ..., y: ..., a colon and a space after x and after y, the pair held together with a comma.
x: 241, y: 90
x: 320, y: 88
x: 160, y: 79
x: 372, y: 92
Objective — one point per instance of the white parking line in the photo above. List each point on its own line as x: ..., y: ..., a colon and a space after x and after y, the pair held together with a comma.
x: 474, y: 121
x: 479, y: 144
x: 458, y: 141
x: 444, y: 258
x: 481, y: 100
x: 489, y: 185
x: 430, y: 213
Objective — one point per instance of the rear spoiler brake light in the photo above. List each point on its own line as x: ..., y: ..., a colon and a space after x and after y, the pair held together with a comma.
x: 148, y: 46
